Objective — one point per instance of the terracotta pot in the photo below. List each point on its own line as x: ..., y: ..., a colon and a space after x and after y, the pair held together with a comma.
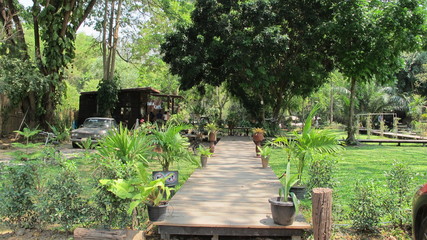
x: 258, y: 137
x: 212, y: 137
x: 283, y: 212
x: 264, y: 162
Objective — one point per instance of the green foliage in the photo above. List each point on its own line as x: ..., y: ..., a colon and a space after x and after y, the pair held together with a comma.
x: 321, y: 172
x: 411, y: 79
x: 60, y: 201
x: 172, y: 146
x: 368, y: 38
x: 17, y: 208
x: 267, y: 55
x: 419, y: 127
x: 28, y: 133
x: 122, y: 146
x: 20, y: 80
x: 30, y: 150
x: 62, y: 133
x: 367, y: 205
x: 400, y: 184
x: 416, y: 106
x: 118, y: 153
x: 211, y: 127
x: 310, y: 142
x: 140, y: 188
x: 109, y: 210
x: 288, y: 180
x: 264, y: 151
x: 204, y: 151
x: 108, y: 90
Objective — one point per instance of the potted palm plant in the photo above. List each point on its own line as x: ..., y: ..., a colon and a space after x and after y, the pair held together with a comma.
x: 212, y: 130
x: 205, y: 153
x: 172, y: 146
x: 284, y: 208
x: 265, y: 152
x: 142, y: 190
x: 306, y: 145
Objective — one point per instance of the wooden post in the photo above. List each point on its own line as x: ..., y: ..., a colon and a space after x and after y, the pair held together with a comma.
x: 322, y: 213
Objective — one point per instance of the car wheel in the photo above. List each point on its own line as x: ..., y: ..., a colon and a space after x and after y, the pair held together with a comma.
x: 75, y: 145
x: 422, y: 233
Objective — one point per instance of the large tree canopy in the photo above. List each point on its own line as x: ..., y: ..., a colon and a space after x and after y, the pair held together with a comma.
x: 266, y: 51
x: 369, y: 38
x: 55, y: 25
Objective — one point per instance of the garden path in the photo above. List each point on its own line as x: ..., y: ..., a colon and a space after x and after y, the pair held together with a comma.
x: 228, y: 198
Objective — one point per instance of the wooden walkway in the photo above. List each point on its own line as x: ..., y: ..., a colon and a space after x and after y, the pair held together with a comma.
x: 228, y: 198
x: 397, y: 141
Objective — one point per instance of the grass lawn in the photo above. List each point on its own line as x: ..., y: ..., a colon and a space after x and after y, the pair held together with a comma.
x: 366, y: 162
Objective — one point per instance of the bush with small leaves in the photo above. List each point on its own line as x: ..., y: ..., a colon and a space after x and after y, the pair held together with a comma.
x: 17, y: 189
x: 60, y: 200
x: 366, y: 205
x: 401, y: 187
x: 321, y: 172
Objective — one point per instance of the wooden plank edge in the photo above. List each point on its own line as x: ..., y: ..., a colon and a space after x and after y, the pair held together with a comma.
x: 101, y: 234
x: 303, y: 226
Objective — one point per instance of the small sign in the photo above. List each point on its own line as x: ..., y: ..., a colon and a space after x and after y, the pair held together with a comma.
x: 170, y: 176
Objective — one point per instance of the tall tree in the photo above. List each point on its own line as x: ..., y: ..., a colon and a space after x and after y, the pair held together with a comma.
x: 55, y: 25
x: 368, y: 39
x: 265, y: 51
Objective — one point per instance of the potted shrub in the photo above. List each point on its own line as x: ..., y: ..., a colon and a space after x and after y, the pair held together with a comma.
x: 212, y: 130
x: 142, y: 190
x: 205, y: 153
x: 265, y: 153
x: 258, y: 134
x: 306, y: 145
x: 284, y: 208
x: 257, y: 137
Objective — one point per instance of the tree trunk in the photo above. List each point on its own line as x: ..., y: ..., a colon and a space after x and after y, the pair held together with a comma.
x: 104, y: 39
x: 331, y: 105
x: 115, y: 41
x: 351, y: 130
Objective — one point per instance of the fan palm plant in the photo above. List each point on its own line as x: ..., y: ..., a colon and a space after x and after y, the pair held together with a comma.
x: 173, y: 147
x: 126, y: 146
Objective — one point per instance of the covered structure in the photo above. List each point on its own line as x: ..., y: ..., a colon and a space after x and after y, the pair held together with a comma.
x: 133, y: 103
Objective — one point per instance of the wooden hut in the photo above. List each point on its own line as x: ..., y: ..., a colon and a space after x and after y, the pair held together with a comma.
x: 133, y: 104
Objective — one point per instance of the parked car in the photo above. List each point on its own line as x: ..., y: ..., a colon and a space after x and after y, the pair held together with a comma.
x: 94, y: 128
x: 419, y: 214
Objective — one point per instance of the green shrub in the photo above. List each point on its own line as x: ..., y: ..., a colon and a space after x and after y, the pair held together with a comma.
x: 366, y: 206
x: 60, y: 201
x: 109, y: 210
x: 16, y: 194
x: 400, y: 185
x: 118, y: 153
x: 321, y: 172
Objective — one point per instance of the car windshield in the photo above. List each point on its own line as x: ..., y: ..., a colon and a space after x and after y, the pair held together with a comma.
x: 97, y: 123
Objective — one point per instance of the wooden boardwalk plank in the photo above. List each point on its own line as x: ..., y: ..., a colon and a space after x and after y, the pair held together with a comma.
x: 229, y: 197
